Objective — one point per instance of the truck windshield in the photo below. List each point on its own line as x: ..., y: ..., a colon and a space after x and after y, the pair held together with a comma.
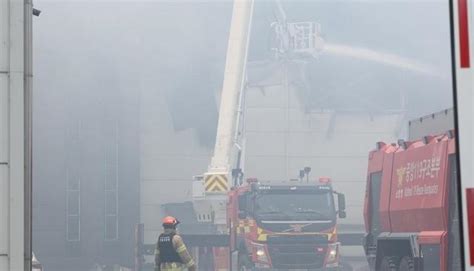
x: 297, y: 206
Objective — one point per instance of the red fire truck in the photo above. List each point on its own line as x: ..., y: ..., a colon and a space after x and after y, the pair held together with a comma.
x: 285, y: 226
x: 411, y: 209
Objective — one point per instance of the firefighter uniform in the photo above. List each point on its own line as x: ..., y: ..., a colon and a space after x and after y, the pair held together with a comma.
x: 171, y: 253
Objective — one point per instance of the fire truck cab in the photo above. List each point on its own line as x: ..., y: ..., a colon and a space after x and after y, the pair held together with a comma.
x: 285, y: 226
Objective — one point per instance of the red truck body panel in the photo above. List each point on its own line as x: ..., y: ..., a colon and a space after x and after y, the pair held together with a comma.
x: 418, y: 188
x: 414, y: 185
x: 414, y: 190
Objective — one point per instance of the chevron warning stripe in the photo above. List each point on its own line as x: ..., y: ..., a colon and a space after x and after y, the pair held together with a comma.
x: 216, y: 183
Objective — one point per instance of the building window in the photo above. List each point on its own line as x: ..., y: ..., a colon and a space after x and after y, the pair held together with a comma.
x: 73, y: 208
x: 111, y: 189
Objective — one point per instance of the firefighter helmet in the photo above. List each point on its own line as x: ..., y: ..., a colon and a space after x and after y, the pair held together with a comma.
x: 170, y: 221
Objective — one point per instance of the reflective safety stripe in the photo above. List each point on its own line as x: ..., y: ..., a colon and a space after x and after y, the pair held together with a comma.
x: 181, y: 248
x: 331, y: 234
x: 261, y: 236
x: 245, y: 226
x: 190, y: 263
x: 172, y: 267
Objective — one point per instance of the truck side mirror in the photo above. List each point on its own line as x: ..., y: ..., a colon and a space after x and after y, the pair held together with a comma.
x: 242, y: 215
x: 342, y: 214
x: 341, y: 204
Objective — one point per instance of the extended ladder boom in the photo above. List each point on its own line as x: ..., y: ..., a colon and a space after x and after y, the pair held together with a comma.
x: 217, y: 177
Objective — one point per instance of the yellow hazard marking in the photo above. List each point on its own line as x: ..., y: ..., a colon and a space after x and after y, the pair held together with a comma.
x: 245, y: 226
x: 216, y: 183
x: 331, y: 234
x: 242, y: 229
x: 260, y: 235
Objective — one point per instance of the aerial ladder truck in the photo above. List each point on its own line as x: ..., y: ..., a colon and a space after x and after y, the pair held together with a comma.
x: 220, y: 195
x: 225, y: 169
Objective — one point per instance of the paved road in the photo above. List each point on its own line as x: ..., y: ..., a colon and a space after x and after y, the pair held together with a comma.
x: 353, y: 258
x: 359, y: 266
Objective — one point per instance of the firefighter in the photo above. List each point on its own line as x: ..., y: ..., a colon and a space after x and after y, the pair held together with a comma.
x: 171, y: 253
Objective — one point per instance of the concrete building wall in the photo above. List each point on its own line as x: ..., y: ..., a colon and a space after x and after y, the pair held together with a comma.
x: 90, y: 141
x: 282, y: 138
x: 169, y: 159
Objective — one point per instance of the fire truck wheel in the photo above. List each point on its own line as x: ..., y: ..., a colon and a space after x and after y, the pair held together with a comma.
x: 243, y: 261
x: 388, y: 264
x: 406, y: 264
